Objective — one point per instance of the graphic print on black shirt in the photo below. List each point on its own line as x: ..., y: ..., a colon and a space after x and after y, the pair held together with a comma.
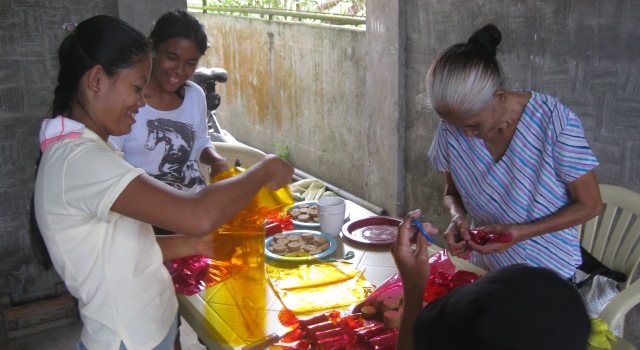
x: 175, y: 168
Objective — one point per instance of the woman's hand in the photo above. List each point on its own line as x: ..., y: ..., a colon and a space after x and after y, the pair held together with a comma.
x: 457, y: 234
x: 215, y: 161
x: 457, y: 237
x: 518, y: 233
x: 413, y: 264
x: 279, y: 170
x: 218, y: 249
x: 179, y: 246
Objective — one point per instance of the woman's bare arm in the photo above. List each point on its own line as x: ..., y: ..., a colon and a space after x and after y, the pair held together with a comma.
x: 457, y: 233
x: 585, y: 203
x: 152, y: 201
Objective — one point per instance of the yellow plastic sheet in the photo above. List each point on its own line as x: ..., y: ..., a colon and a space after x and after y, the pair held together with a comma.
x: 314, y: 287
x: 246, y: 231
x: 266, y: 204
x: 238, y: 304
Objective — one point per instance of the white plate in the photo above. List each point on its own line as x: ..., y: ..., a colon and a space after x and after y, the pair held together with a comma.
x: 347, y: 213
x: 332, y: 247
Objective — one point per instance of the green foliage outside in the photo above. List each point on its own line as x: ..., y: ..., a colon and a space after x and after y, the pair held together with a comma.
x: 355, y: 8
x: 281, y: 151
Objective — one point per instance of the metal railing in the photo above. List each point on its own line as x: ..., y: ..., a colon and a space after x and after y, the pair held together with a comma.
x: 324, y: 17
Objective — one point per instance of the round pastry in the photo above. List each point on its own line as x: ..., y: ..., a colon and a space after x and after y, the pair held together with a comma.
x: 293, y: 237
x: 303, y: 210
x: 369, y: 311
x: 279, y: 248
x: 390, y: 304
x: 392, y: 319
x: 307, y: 237
x: 303, y: 217
x: 309, y: 247
x: 294, y: 213
x: 319, y: 240
x: 293, y: 246
x: 279, y: 235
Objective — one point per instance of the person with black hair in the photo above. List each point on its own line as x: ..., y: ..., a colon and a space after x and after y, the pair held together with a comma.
x: 94, y: 210
x: 514, y: 161
x: 517, y: 307
x: 171, y: 137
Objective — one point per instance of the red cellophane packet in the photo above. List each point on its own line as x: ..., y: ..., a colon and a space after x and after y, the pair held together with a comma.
x: 482, y: 237
x: 443, y: 276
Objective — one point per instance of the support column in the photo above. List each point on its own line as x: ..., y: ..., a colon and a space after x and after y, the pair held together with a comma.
x: 385, y: 96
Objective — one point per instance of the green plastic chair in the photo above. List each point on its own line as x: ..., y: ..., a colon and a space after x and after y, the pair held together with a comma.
x: 613, y: 237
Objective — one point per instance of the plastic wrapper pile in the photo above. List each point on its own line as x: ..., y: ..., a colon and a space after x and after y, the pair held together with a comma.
x: 443, y: 276
x: 331, y: 331
x: 264, y: 213
x: 372, y: 324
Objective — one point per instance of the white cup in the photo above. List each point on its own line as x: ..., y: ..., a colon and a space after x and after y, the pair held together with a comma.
x: 331, y: 214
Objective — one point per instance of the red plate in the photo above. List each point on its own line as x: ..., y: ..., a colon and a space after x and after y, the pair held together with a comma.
x: 378, y: 230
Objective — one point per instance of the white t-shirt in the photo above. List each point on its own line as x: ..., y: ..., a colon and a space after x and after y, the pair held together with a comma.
x: 168, y: 144
x: 111, y: 263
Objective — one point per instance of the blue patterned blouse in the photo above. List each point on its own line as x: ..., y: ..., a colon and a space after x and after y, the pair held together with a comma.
x: 548, y: 150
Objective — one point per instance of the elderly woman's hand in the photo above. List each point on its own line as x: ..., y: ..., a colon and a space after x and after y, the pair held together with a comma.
x: 412, y: 263
x: 518, y: 233
x: 457, y: 237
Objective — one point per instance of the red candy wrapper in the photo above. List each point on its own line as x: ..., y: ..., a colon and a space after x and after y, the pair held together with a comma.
x: 278, y: 223
x: 193, y: 274
x: 481, y: 237
x: 443, y: 277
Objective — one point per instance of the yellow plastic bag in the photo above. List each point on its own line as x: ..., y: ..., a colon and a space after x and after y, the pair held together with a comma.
x: 266, y: 204
x: 240, y: 301
x: 314, y: 287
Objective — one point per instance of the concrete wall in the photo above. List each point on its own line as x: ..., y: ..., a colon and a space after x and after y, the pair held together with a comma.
x: 30, y: 33
x: 584, y: 53
x: 143, y: 14
x: 297, y: 85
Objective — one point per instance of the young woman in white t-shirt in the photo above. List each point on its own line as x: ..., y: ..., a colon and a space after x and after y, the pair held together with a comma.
x: 95, y: 210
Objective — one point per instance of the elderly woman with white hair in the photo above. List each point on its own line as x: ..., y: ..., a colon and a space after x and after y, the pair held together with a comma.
x: 514, y: 161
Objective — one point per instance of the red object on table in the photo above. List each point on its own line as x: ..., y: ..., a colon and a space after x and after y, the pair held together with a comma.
x: 330, y: 331
x: 443, y: 277
x: 482, y: 237
x: 278, y: 224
